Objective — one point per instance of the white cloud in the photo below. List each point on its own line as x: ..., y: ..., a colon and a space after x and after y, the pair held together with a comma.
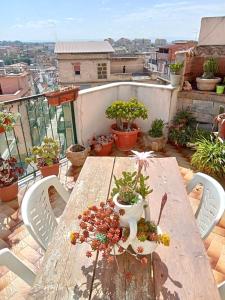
x: 37, y: 24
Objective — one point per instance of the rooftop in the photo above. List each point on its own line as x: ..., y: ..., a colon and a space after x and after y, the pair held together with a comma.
x: 84, y: 47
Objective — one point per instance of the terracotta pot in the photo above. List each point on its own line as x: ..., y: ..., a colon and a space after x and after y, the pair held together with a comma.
x: 50, y: 170
x: 125, y: 140
x: 106, y: 149
x: 59, y: 97
x: 8, y: 193
x: 77, y: 154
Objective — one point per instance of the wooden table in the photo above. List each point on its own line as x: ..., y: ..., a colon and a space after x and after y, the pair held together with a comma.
x: 181, y: 271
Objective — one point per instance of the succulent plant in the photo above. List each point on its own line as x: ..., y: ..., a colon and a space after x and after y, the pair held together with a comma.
x: 45, y: 155
x: 125, y: 112
x: 210, y: 68
x: 9, y: 171
x: 176, y: 68
x: 156, y: 128
x: 98, y: 141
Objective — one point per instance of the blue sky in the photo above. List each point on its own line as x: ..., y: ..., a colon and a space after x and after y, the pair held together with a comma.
x: 52, y: 20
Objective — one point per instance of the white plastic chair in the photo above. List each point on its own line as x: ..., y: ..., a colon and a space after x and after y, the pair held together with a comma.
x: 212, y: 203
x: 12, y: 262
x: 221, y: 288
x: 37, y: 212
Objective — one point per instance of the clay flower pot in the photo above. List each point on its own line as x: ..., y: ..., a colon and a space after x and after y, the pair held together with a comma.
x: 59, y: 97
x: 77, y: 154
x: 132, y: 211
x: 148, y: 246
x: 125, y: 140
x: 49, y: 170
x: 8, y: 193
x: 104, y: 149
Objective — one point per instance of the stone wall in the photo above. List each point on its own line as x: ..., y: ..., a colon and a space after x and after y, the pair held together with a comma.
x: 204, y: 105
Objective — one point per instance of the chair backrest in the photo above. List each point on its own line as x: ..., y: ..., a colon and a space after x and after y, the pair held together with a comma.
x: 36, y: 210
x: 221, y: 288
x: 212, y: 203
x: 12, y: 262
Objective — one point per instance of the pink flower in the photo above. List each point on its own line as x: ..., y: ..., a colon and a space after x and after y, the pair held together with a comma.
x: 141, y: 158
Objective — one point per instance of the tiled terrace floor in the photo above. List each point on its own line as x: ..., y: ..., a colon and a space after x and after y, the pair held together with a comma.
x: 14, y: 235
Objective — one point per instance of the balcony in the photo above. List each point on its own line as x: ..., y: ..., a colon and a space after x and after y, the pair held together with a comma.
x: 78, y: 122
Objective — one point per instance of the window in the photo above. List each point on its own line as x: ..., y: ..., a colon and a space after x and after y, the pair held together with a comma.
x: 77, y: 68
x: 102, y: 71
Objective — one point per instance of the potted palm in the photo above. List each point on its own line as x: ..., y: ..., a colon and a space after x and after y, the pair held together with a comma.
x: 175, y: 76
x: 46, y: 157
x: 208, y: 81
x: 155, y: 138
x: 125, y: 113
x: 102, y: 144
x: 9, y: 174
x: 59, y: 97
x: 7, y: 120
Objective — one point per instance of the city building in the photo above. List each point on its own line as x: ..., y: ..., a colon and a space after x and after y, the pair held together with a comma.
x: 83, y: 62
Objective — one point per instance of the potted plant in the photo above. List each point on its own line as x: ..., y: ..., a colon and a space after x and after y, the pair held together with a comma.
x: 102, y: 144
x: 59, y: 97
x: 9, y: 174
x: 208, y: 81
x: 125, y: 131
x: 175, y: 76
x: 154, y: 138
x: 182, y: 128
x: 131, y: 190
x: 148, y: 237
x: 210, y: 157
x: 77, y: 154
x: 100, y: 229
x: 7, y: 120
x: 46, y: 157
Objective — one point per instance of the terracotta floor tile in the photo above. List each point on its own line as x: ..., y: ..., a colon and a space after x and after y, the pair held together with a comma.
x: 30, y: 254
x: 215, y: 249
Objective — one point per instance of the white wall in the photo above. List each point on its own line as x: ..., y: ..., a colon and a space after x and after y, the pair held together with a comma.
x: 212, y: 31
x: 91, y: 104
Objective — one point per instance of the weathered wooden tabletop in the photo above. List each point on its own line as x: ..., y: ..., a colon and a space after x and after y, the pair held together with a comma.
x: 181, y: 271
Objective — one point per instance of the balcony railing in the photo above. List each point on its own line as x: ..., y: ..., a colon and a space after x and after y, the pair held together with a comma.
x: 36, y: 120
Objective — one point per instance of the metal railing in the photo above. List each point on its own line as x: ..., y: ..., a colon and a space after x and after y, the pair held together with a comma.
x: 37, y: 119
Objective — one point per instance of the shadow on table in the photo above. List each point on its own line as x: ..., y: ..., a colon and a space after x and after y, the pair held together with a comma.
x: 161, y: 276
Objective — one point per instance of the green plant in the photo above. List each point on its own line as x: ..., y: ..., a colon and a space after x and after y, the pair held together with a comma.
x: 156, y: 128
x: 200, y: 133
x: 210, y: 157
x: 7, y: 120
x: 129, y: 186
x: 181, y: 131
x: 221, y: 109
x: 45, y: 155
x: 210, y: 68
x: 176, y: 68
x: 125, y: 112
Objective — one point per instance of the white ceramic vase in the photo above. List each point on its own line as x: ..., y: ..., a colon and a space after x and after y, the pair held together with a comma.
x: 148, y: 246
x: 133, y: 211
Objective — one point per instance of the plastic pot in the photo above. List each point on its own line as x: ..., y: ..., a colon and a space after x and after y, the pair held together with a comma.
x: 125, y: 140
x: 50, y: 170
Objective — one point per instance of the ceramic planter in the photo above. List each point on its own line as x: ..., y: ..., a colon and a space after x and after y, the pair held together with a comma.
x: 134, y: 211
x: 148, y: 246
x: 105, y: 150
x: 59, y: 97
x: 219, y: 89
x: 175, y: 79
x: 50, y: 170
x: 155, y: 143
x: 8, y: 193
x: 77, y: 154
x: 125, y: 140
x: 207, y: 84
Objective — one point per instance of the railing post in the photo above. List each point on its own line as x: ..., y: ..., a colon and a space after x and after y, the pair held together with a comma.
x: 73, y: 122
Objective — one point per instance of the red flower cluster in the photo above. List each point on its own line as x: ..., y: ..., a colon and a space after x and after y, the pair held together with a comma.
x: 100, y: 227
